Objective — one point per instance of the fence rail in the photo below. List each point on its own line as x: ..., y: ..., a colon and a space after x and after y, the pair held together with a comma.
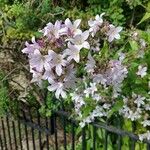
x: 28, y: 131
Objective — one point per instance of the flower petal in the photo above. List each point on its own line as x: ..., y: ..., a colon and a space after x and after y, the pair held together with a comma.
x: 68, y: 23
x: 59, y: 70
x: 77, y: 22
x: 86, y: 45
x: 85, y: 35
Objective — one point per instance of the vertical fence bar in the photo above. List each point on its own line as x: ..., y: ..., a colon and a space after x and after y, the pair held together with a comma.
x: 20, y: 136
x: 1, y: 142
x: 55, y: 131
x: 148, y: 146
x: 94, y: 137
x: 83, y: 139
x: 119, y: 142
x: 106, y: 140
x: 19, y: 128
x: 32, y: 130
x: 14, y: 133
x: 26, y: 131
x: 73, y: 135
x: 52, y: 124
x: 119, y: 136
x: 39, y: 135
x: 132, y: 144
x: 8, y: 129
x: 46, y: 120
x: 64, y: 130
x: 132, y: 140
x: 4, y: 145
x: 4, y: 134
x: 47, y: 137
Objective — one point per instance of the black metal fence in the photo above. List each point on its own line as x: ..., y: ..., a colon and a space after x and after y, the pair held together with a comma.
x: 31, y: 131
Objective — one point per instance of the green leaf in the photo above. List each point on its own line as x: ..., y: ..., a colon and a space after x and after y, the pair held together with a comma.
x: 116, y: 107
x: 134, y: 45
x: 104, y: 51
x: 145, y: 17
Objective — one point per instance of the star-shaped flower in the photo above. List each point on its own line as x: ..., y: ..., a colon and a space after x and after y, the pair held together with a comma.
x: 80, y: 40
x: 73, y: 53
x: 38, y: 61
x: 58, y: 87
x: 113, y: 33
x: 90, y: 64
x: 52, y: 31
x: 30, y: 48
x: 95, y: 24
x: 142, y: 71
x: 71, y: 29
x: 57, y: 61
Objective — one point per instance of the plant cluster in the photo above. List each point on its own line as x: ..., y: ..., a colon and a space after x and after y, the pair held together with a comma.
x: 94, y: 72
x: 110, y: 79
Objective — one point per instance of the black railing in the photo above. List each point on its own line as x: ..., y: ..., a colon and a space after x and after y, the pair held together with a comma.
x: 31, y: 131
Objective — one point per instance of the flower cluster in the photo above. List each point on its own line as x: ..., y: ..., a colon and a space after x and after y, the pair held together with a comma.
x: 54, y: 56
x: 82, y: 65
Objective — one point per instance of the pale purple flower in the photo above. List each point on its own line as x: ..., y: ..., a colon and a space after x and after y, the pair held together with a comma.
x: 144, y: 136
x: 73, y: 53
x: 87, y: 92
x: 70, y: 72
x: 113, y: 33
x: 30, y: 48
x: 85, y: 121
x: 147, y: 107
x: 142, y: 71
x: 134, y: 115
x: 121, y: 56
x: 116, y: 73
x: 52, y: 31
x: 38, y: 61
x: 95, y: 45
x: 146, y: 123
x: 90, y: 64
x: 71, y: 29
x: 96, y: 97
x: 80, y: 40
x: 143, y: 43
x: 90, y: 90
x: 97, y: 112
x: 78, y: 102
x: 139, y: 100
x: 95, y: 24
x: 70, y: 78
x: 106, y: 106
x: 93, y: 88
x: 99, y: 78
x: 57, y: 61
x: 48, y: 75
x: 58, y: 87
x: 36, y: 77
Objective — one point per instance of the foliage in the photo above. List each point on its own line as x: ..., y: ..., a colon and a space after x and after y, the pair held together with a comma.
x: 104, y: 84
x: 4, y: 98
x: 22, y: 19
